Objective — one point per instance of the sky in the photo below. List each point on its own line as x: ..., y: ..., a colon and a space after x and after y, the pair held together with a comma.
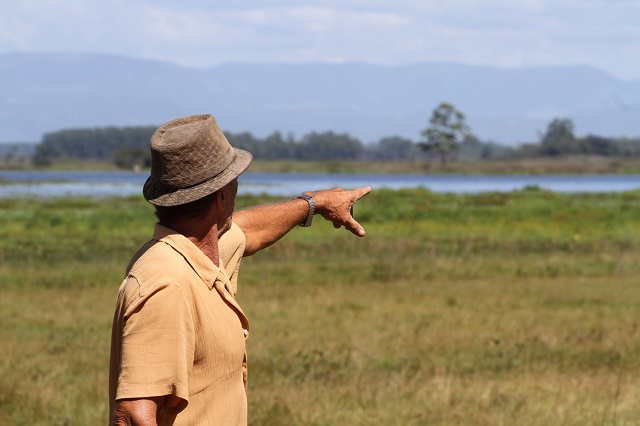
x: 604, y: 34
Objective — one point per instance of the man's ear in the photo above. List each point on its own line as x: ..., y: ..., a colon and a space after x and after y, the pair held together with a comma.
x: 219, y: 199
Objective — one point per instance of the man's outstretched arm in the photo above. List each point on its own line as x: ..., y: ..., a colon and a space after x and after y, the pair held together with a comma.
x: 264, y: 225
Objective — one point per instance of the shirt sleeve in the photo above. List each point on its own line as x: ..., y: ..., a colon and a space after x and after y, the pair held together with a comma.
x: 157, y: 345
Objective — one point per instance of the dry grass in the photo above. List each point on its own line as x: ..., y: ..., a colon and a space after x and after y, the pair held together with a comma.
x: 55, y: 345
x: 485, y: 352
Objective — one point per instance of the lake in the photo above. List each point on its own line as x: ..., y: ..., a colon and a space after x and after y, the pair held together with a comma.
x: 104, y: 184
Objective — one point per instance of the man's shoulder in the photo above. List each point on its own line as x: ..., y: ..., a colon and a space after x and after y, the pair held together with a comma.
x: 156, y: 260
x: 156, y: 267
x: 231, y: 242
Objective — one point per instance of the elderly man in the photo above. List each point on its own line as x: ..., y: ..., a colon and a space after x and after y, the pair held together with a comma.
x: 178, y: 346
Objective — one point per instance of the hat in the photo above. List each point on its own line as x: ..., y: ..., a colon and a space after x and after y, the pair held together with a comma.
x: 190, y: 159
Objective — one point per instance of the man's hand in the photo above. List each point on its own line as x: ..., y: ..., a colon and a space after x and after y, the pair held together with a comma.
x: 336, y: 205
x: 152, y: 411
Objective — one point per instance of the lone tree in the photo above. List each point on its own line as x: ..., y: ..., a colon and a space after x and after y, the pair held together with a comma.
x: 559, y: 138
x: 447, y: 130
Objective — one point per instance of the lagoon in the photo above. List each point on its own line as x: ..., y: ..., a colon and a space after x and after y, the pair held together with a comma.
x: 47, y: 184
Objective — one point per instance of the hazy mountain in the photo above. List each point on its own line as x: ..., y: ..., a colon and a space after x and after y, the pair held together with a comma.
x: 47, y: 92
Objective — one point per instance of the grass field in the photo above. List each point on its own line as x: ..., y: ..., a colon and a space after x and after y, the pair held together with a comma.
x: 491, y: 309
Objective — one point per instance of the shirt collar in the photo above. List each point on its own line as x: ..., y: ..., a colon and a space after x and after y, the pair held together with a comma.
x: 199, y: 262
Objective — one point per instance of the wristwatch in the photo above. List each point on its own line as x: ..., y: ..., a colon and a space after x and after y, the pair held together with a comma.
x: 312, y: 208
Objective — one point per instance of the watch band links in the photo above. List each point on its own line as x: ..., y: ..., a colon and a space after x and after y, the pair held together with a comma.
x: 312, y: 208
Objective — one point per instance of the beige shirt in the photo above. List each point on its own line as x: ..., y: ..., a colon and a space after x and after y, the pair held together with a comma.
x: 178, y: 330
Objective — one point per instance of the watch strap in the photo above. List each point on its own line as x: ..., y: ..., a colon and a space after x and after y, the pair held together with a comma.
x: 312, y: 208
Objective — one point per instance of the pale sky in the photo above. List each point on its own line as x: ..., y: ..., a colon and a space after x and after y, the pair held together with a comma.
x: 203, y: 33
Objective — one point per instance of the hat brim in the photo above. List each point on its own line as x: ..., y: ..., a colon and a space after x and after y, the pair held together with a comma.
x: 159, y: 196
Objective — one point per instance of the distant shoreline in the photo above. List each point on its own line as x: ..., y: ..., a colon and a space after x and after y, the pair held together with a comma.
x: 577, y: 165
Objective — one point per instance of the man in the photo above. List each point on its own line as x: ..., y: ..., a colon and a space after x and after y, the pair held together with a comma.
x: 178, y: 347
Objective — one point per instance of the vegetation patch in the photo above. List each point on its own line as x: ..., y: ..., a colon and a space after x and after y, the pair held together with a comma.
x: 517, y: 308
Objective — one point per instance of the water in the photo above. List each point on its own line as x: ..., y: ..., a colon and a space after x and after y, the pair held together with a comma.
x: 44, y: 184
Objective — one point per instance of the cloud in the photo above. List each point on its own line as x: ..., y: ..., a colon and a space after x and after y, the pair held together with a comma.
x: 206, y: 33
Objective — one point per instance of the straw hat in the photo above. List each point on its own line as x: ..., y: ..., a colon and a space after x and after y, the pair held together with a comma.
x: 190, y: 159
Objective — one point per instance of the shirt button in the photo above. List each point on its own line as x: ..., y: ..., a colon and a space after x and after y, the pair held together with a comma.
x: 246, y: 332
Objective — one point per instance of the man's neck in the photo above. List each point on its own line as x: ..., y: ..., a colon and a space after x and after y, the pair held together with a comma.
x: 204, y: 237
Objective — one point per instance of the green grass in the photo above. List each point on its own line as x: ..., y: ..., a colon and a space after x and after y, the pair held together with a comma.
x: 518, y: 308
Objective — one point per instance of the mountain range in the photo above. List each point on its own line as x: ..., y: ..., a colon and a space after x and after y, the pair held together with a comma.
x: 45, y: 92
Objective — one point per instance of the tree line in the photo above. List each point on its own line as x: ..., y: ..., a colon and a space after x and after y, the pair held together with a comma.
x: 128, y: 147
x: 446, y: 138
